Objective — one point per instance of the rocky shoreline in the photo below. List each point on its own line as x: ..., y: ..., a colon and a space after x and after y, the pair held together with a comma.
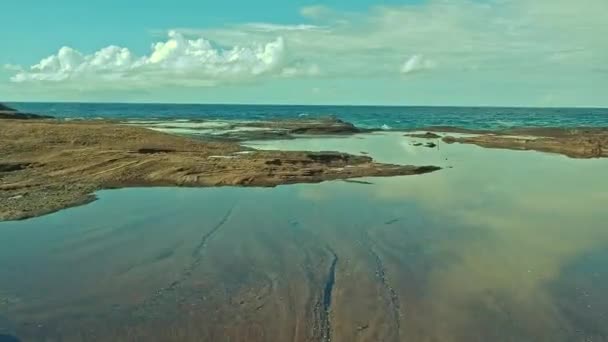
x: 582, y: 142
x: 49, y: 165
x: 239, y: 130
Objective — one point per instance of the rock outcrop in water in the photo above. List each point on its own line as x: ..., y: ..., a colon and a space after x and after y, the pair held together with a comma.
x: 51, y: 165
x: 5, y: 108
x: 583, y: 142
x: 239, y: 130
x: 7, y: 112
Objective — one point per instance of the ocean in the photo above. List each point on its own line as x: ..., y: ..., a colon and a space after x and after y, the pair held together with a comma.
x: 499, y: 245
x: 362, y: 116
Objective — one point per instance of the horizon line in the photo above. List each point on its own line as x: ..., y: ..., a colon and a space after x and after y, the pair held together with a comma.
x: 302, y: 105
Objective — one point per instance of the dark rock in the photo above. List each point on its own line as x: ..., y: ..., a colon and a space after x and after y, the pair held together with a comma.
x: 431, y: 145
x: 5, y: 108
x: 328, y: 157
x: 10, y: 167
x: 7, y: 112
x: 427, y: 169
x: 449, y: 140
x: 358, y: 182
x: 417, y: 144
x: 427, y: 135
x: 154, y: 150
x: 325, y: 126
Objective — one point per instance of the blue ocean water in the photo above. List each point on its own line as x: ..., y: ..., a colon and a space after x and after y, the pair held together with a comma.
x: 362, y: 116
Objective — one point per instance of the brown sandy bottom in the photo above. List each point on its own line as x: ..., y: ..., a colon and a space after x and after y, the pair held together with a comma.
x: 400, y: 259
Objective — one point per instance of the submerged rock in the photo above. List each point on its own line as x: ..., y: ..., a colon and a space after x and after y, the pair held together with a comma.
x: 449, y: 140
x: 427, y: 135
x: 429, y: 144
x: 585, y: 142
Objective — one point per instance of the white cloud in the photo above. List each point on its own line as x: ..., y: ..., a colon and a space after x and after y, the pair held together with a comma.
x: 268, y: 27
x: 520, y: 43
x: 457, y: 36
x: 190, y: 61
x: 301, y: 70
x: 416, y: 63
x: 69, y: 63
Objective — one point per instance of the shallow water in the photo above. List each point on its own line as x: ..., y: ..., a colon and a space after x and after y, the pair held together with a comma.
x: 502, y: 246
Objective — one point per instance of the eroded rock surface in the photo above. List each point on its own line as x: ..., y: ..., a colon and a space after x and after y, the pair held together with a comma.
x: 583, y: 142
x: 50, y: 165
x: 239, y: 130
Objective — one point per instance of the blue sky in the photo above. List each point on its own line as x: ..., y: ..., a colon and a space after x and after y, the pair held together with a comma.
x: 37, y: 28
x: 437, y: 52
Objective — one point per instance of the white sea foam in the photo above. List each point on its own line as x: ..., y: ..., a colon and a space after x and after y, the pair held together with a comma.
x: 188, y: 124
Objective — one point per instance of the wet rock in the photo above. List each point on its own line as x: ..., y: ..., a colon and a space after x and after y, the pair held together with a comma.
x: 5, y: 108
x: 449, y: 140
x: 329, y: 157
x: 154, y: 150
x: 358, y: 182
x: 427, y: 135
x: 11, y: 167
x: 430, y: 145
x: 325, y: 126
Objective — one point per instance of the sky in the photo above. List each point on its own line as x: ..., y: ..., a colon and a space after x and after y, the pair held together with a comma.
x: 408, y: 52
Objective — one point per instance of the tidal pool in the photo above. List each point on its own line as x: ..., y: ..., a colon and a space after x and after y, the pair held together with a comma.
x: 498, y: 246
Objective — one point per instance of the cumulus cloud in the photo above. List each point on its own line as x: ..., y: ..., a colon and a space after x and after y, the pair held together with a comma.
x: 188, y: 60
x: 68, y: 63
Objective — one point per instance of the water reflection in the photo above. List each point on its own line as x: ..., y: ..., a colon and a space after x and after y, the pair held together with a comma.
x: 505, y: 246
